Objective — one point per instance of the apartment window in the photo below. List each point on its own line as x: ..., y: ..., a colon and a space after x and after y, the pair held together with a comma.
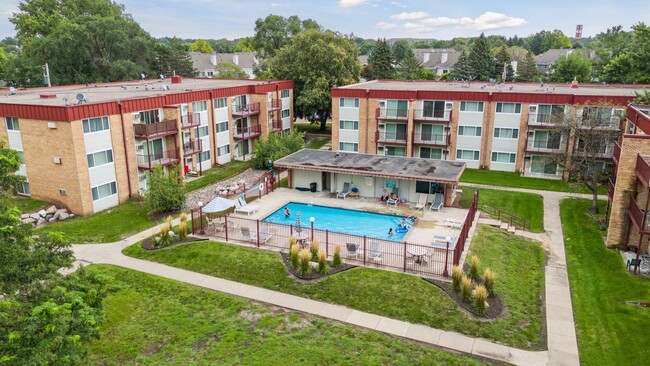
x: 12, y: 123
x: 95, y: 124
x: 205, y: 155
x: 469, y: 131
x: 223, y: 150
x: 239, y: 100
x: 284, y: 93
x: 431, y: 108
x: 220, y: 103
x: 396, y: 108
x: 506, y: 133
x: 545, y: 112
x: 543, y: 165
x: 22, y: 156
x: 147, y: 117
x: 202, y: 131
x: 285, y: 113
x: 500, y: 157
x: 508, y: 107
x: 349, y: 146
x: 467, y: 154
x: 427, y: 187
x: 100, y: 158
x: 431, y: 153
x: 200, y: 106
x: 349, y: 102
x: 471, y: 106
x: 104, y: 190
x: 23, y: 188
x: 349, y: 125
x: 222, y: 126
x: 547, y: 140
x: 395, y: 150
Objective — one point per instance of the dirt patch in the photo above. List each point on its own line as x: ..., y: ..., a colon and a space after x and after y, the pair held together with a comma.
x: 494, y: 311
x: 313, y: 276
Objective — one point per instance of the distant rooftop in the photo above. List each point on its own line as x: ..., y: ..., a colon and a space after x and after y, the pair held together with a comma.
x: 396, y: 167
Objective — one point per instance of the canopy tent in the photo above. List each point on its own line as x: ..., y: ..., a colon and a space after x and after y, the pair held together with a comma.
x: 218, y: 204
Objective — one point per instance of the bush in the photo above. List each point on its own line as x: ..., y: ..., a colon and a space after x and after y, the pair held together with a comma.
x: 480, y: 297
x: 323, y: 268
x: 182, y: 230
x: 165, y: 237
x: 292, y: 241
x: 166, y: 192
x: 293, y: 255
x: 315, y: 245
x: 456, y: 278
x: 473, y: 268
x: 336, y: 261
x: 276, y: 146
x: 488, y: 281
x: 466, y: 289
x: 305, y: 256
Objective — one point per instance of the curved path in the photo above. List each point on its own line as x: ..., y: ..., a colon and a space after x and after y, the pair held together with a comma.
x: 562, y: 343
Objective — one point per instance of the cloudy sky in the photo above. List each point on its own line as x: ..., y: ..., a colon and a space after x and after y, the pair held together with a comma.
x: 376, y: 18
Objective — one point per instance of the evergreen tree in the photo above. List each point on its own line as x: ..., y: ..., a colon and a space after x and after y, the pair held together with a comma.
x: 527, y: 70
x: 462, y: 68
x: 400, y: 49
x: 410, y: 68
x: 480, y: 59
x: 174, y: 59
x: 503, y: 58
x: 381, y: 60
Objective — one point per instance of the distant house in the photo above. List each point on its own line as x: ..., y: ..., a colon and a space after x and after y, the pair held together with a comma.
x: 205, y: 63
x: 363, y: 59
x: 439, y: 61
x: 545, y: 60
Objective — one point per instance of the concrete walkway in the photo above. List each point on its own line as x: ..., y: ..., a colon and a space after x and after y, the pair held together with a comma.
x: 562, y: 343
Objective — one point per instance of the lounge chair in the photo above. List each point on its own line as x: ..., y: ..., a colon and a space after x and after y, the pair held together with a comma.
x: 422, y: 201
x: 394, y: 201
x: 242, y: 206
x: 374, y: 252
x: 346, y: 190
x: 440, y: 242
x: 353, y: 249
x: 251, y: 235
x: 437, y: 202
x: 454, y: 223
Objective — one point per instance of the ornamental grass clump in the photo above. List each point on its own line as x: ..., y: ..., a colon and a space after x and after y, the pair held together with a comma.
x: 473, y: 268
x: 304, y: 267
x: 182, y: 230
x: 292, y: 241
x: 315, y: 245
x: 293, y: 255
x: 466, y: 289
x: 323, y: 267
x: 480, y: 299
x: 336, y: 261
x: 488, y: 281
x: 456, y: 278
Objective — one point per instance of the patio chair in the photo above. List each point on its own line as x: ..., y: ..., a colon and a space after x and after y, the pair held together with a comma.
x: 393, y: 201
x: 422, y: 201
x: 374, y: 252
x: 454, y: 223
x: 437, y: 202
x: 242, y: 206
x: 353, y: 249
x: 251, y: 235
x: 346, y: 190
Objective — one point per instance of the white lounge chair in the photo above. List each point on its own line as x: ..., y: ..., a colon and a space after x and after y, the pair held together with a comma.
x: 394, y: 201
x: 422, y: 201
x: 437, y: 202
x: 374, y: 252
x: 454, y: 223
x: 440, y: 242
x: 346, y: 190
x: 251, y: 235
x: 242, y: 206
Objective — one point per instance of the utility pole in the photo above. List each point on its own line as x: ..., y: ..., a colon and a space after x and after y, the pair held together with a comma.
x: 47, y: 75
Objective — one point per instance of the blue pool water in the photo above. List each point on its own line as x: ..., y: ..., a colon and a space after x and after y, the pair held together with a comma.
x: 340, y: 220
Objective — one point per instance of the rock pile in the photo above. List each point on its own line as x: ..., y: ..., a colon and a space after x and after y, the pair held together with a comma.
x: 48, y: 215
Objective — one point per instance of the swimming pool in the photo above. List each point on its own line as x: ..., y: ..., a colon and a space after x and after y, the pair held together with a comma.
x: 341, y: 220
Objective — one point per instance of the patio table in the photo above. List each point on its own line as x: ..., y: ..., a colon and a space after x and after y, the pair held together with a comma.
x: 418, y: 253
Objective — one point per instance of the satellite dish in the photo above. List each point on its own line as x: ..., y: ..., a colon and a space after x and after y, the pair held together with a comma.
x: 165, y: 87
x: 162, y: 77
x: 143, y: 76
x: 66, y: 98
x: 12, y: 90
x: 81, y: 98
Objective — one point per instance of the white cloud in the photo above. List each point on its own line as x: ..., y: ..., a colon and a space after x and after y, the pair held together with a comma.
x: 397, y: 4
x: 384, y: 25
x: 486, y: 21
x: 275, y: 5
x: 351, y: 3
x: 410, y: 16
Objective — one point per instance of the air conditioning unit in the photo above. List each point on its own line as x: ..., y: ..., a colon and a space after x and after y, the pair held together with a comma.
x: 63, y: 192
x: 382, y: 104
x: 449, y: 106
x: 51, y: 125
x: 56, y: 160
x: 532, y: 109
x: 380, y: 148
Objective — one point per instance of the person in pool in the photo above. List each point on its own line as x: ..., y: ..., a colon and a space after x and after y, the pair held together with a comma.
x: 287, y: 213
x: 390, y: 232
x: 403, y: 224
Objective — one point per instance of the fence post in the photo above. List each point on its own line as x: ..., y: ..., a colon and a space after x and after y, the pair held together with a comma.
x: 364, y: 250
x: 404, y: 256
x: 258, y: 232
x: 225, y: 225
x: 291, y: 230
x: 445, y: 272
x: 192, y: 219
x: 327, y: 234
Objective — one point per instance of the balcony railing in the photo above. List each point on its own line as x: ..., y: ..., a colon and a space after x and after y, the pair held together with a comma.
x: 431, y: 139
x: 617, y: 152
x: 545, y: 147
x: 245, y: 133
x: 643, y: 170
x: 637, y: 214
x: 392, y: 114
x: 163, y: 158
x: 274, y: 105
x: 246, y: 109
x: 192, y: 147
x: 432, y: 115
x: 191, y: 120
x: 540, y: 120
x: 610, y: 189
x: 275, y: 124
x: 157, y: 129
x: 606, y: 153
x: 394, y: 137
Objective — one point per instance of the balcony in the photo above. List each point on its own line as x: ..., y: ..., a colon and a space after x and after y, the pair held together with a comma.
x: 431, y: 115
x: 392, y: 114
x: 192, y: 147
x: 431, y: 139
x: 246, y: 110
x: 391, y: 137
x: 617, y: 152
x: 153, y: 130
x: 606, y: 153
x: 274, y: 105
x: 540, y: 120
x: 191, y: 120
x: 637, y: 214
x: 643, y: 170
x: 275, y: 124
x: 163, y: 158
x: 545, y: 147
x: 245, y: 133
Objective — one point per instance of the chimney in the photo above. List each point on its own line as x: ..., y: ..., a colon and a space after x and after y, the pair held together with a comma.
x: 235, y: 59
x: 176, y: 79
x: 444, y: 57
x: 574, y: 84
x: 213, y: 58
x: 425, y: 58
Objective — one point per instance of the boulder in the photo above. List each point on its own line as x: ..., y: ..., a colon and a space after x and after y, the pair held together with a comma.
x: 24, y: 216
x: 61, y: 210
x: 51, y: 210
x: 40, y: 221
x: 71, y: 215
x: 29, y: 220
x: 35, y: 216
x: 64, y: 216
x: 48, y: 217
x: 42, y: 213
x: 51, y: 219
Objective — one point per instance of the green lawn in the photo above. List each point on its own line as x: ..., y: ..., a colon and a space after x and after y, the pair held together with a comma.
x: 218, y: 173
x: 104, y: 227
x: 388, y: 293
x: 27, y: 204
x: 317, y: 143
x: 527, y: 206
x: 609, y: 331
x: 510, y: 179
x: 156, y: 321
x: 313, y: 128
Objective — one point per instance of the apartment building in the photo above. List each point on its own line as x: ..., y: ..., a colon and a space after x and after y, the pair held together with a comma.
x: 89, y: 147
x: 496, y: 127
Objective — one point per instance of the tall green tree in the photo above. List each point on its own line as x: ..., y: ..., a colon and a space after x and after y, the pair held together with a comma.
x: 481, y: 59
x: 165, y: 192
x: 574, y: 66
x: 463, y: 69
x: 228, y: 70
x: 400, y: 49
x: 503, y: 61
x: 640, y: 53
x: 381, y: 60
x: 611, y: 43
x: 201, y: 45
x: 316, y: 61
x: 173, y: 58
x: 555, y: 39
x: 366, y: 45
x: 527, y: 69
x: 245, y: 44
x: 535, y: 42
x: 276, y: 31
x: 409, y: 68
x: 277, y: 146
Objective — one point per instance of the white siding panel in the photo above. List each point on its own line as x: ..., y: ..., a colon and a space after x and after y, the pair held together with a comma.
x: 468, y: 143
x: 223, y: 138
x: 470, y: 118
x: 286, y: 123
x: 348, y: 136
x: 15, y: 142
x: 349, y: 114
x: 101, y: 174
x: 98, y: 141
x: 472, y: 164
x: 22, y: 170
x: 105, y: 203
x: 224, y: 159
x: 503, y: 167
x: 220, y: 114
x: 510, y: 120
x: 302, y: 178
x: 505, y: 145
x: 286, y: 103
x: 205, y: 143
x: 204, y: 118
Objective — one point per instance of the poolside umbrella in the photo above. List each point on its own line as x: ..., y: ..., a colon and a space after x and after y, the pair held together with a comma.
x: 218, y: 204
x: 298, y: 225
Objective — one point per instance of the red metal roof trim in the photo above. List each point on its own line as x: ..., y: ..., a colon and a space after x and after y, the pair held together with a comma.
x: 640, y: 119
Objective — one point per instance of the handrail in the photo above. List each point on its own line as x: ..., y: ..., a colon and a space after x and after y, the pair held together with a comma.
x: 502, y: 215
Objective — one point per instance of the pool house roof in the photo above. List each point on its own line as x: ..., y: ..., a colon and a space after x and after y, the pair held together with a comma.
x: 395, y: 167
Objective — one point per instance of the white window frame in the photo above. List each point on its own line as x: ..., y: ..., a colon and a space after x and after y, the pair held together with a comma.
x: 344, y: 101
x: 477, y: 129
x: 515, y: 106
x: 222, y: 123
x: 202, y: 128
x: 510, y: 158
x: 284, y: 93
x: 106, y: 126
x: 95, y: 190
x: 355, y: 146
x: 479, y: 106
x: 205, y: 156
x: 343, y: 123
x: 498, y: 130
x: 220, y: 103
x: 199, y: 106
x: 476, y: 154
x: 107, y: 153
x: 287, y: 114
x: 12, y: 123
x: 220, y: 148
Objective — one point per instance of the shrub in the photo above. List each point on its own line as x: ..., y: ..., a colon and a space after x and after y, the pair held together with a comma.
x: 183, y: 217
x: 323, y: 268
x: 480, y: 297
x: 466, y: 289
x: 165, y: 192
x: 305, y: 256
x: 165, y: 237
x: 336, y: 261
x: 292, y: 241
x: 315, y: 245
x: 473, y: 268
x: 456, y: 278
x: 182, y: 230
x: 276, y: 146
x: 293, y: 255
x: 488, y: 281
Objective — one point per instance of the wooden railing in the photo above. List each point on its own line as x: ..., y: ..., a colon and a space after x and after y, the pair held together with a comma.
x: 191, y: 120
x: 507, y: 217
x: 167, y: 127
x: 244, y: 133
x: 617, y: 152
x: 432, y: 115
x: 394, y: 114
x: 191, y: 147
x: 246, y: 109
x: 431, y: 139
x: 163, y: 158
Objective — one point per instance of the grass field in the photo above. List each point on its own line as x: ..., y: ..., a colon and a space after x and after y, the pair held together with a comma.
x: 609, y: 331
x: 317, y: 143
x: 155, y: 321
x: 514, y: 180
x: 27, y: 204
x: 313, y: 128
x: 388, y: 293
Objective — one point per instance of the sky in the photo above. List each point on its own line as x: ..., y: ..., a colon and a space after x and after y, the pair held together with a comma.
x: 216, y: 19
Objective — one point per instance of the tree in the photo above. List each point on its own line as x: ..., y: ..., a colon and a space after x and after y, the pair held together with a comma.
x: 9, y: 164
x: 277, y: 146
x: 620, y: 69
x: 642, y: 98
x: 481, y: 59
x: 174, y: 59
x: 503, y: 63
x: 244, y: 45
x: 611, y: 43
x: 381, y: 60
x: 527, y: 70
x: 463, y: 69
x: 316, y: 61
x: 573, y: 66
x: 228, y: 70
x: 165, y: 192
x: 409, y: 68
x: 201, y: 45
x: 641, y: 53
x: 400, y: 49
x: 366, y: 46
x: 535, y: 43
x: 275, y: 31
x: 555, y: 39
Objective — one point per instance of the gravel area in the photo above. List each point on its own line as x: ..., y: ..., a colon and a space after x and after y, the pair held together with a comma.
x: 207, y: 193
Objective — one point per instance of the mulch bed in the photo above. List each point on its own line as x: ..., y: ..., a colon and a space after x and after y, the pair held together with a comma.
x: 147, y: 244
x: 313, y: 275
x: 493, y: 311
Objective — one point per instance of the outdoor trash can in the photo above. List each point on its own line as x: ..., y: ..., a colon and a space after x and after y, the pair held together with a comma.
x: 312, y: 186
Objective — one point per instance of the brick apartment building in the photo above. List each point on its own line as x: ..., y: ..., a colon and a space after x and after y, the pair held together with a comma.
x: 89, y: 147
x: 496, y: 127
